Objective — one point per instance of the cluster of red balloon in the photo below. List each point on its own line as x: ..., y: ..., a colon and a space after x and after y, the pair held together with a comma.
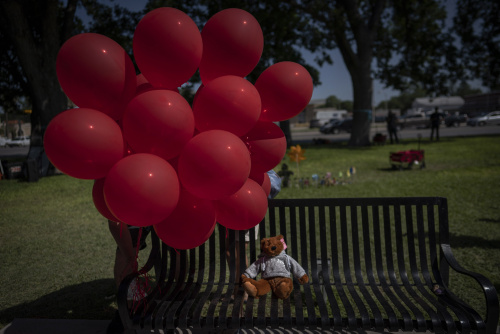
x: 155, y: 159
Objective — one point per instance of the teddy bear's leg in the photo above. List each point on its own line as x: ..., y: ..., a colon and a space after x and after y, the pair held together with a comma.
x: 250, y: 288
x: 262, y: 287
x: 256, y: 288
x: 282, y: 286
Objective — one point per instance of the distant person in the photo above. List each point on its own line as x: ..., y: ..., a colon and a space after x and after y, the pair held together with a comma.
x: 285, y: 174
x: 392, y: 126
x: 435, y: 122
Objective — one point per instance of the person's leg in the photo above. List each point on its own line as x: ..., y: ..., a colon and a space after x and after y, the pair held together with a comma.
x: 125, y: 263
x: 125, y: 258
x: 236, y: 260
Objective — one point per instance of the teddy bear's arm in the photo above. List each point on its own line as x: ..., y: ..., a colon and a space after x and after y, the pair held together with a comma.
x: 253, y: 270
x: 297, y: 271
x: 304, y: 279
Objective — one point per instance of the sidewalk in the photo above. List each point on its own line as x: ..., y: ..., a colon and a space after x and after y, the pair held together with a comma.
x: 64, y: 326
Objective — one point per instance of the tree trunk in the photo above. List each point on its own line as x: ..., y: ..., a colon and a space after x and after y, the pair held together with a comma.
x: 285, y: 127
x: 37, y: 54
x: 358, y: 56
x: 362, y: 83
x: 50, y: 101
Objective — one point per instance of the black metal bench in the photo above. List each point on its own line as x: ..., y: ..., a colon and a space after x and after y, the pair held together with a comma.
x: 373, y: 264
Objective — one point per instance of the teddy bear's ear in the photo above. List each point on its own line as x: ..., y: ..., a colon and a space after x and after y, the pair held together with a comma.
x: 262, y: 243
x: 279, y: 237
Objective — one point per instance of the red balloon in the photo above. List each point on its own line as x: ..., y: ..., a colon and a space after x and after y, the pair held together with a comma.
x: 244, y: 209
x: 232, y: 44
x: 256, y: 176
x: 143, y: 85
x: 214, y: 164
x: 159, y: 122
x: 266, y: 185
x: 95, y: 72
x: 267, y: 145
x: 285, y: 89
x: 141, y: 190
x: 191, y: 223
x: 227, y: 103
x: 263, y: 180
x: 167, y: 47
x: 99, y: 202
x: 83, y: 143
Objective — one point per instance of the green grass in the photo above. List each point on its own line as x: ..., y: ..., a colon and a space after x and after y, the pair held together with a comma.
x: 56, y: 253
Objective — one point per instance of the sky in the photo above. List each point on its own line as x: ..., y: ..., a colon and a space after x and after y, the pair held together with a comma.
x: 335, y: 78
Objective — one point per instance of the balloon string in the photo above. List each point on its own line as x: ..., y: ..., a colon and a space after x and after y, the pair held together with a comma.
x: 175, y: 249
x: 138, y: 246
x: 227, y: 233
x: 121, y: 229
x: 142, y: 287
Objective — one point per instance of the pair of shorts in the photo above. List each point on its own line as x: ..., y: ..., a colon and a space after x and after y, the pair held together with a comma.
x: 247, y: 234
x: 134, y: 234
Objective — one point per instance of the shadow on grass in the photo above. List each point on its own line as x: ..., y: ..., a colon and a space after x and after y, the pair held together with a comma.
x: 81, y: 301
x: 489, y: 220
x: 465, y: 241
x: 397, y: 169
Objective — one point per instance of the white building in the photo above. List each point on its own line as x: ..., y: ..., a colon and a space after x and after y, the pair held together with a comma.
x: 444, y: 103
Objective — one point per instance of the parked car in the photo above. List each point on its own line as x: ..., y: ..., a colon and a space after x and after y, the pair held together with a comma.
x: 336, y: 125
x: 20, y: 141
x: 455, y: 120
x: 415, y: 121
x: 491, y: 118
x: 314, y: 123
x: 4, y: 141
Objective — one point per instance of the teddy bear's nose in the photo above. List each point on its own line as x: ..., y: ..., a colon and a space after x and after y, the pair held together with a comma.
x: 273, y: 248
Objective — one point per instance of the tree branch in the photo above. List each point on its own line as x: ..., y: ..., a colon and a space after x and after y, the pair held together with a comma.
x: 69, y: 20
x: 374, y: 21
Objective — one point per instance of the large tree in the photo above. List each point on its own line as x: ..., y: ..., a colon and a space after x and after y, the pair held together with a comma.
x: 399, y: 42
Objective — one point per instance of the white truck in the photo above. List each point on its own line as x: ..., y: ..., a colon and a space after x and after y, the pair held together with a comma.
x: 323, y: 116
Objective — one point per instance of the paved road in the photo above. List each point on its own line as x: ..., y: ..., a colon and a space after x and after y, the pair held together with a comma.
x: 305, y: 135
x: 13, y: 152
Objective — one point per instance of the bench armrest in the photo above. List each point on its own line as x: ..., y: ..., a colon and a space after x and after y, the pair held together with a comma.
x: 490, y: 293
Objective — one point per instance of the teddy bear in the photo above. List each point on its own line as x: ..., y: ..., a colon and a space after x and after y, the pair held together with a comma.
x: 275, y: 267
